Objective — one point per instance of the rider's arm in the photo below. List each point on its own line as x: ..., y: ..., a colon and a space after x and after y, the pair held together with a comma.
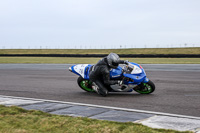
x: 123, y: 62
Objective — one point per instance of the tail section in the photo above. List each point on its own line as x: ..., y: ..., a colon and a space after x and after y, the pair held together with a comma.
x: 81, y: 70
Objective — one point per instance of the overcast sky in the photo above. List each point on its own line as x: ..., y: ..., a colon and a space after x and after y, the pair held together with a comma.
x: 99, y: 23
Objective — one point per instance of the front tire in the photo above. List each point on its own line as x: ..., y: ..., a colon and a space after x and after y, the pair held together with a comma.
x: 84, y: 84
x: 145, y: 88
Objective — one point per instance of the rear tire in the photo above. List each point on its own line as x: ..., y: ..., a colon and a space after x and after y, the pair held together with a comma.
x: 145, y: 88
x: 84, y: 84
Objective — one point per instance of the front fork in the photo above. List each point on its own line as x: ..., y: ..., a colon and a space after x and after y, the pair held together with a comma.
x: 146, y: 80
x: 142, y: 85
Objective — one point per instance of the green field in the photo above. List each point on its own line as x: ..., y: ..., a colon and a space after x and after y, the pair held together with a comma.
x: 73, y: 60
x: 17, y: 120
x: 104, y: 51
x: 69, y: 60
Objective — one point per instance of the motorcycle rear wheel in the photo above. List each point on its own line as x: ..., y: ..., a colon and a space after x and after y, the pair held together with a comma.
x: 145, y: 88
x: 84, y: 84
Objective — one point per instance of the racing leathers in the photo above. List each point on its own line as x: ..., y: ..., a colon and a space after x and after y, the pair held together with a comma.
x: 100, y: 76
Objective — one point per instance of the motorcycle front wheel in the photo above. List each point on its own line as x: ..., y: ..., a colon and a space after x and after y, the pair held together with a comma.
x: 84, y: 84
x: 145, y: 88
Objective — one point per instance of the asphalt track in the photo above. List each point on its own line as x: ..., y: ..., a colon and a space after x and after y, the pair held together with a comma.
x: 177, y: 87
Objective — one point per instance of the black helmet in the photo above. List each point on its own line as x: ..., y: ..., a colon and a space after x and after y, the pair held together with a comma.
x: 113, y: 60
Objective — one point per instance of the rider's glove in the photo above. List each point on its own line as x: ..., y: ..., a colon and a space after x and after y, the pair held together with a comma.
x: 120, y: 82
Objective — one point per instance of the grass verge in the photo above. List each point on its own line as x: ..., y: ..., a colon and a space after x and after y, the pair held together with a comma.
x: 194, y: 50
x: 74, y: 60
x: 18, y: 120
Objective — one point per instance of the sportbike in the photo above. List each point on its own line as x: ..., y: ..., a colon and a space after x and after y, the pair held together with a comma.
x: 133, y: 76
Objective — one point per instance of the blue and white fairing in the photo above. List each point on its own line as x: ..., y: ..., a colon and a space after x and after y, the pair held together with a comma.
x: 137, y: 74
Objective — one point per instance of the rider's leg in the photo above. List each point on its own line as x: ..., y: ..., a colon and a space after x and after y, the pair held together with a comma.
x: 100, y: 88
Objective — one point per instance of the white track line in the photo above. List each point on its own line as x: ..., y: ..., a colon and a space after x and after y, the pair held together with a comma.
x: 108, y: 107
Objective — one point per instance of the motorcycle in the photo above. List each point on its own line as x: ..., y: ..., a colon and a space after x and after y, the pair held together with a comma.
x: 132, y: 74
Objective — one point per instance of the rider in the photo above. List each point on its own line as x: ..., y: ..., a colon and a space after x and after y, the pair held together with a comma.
x: 100, y: 73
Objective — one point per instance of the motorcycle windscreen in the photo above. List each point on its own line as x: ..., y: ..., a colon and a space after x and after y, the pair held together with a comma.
x: 116, y: 73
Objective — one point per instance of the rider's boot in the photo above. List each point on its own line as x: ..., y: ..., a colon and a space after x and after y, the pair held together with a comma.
x: 98, y: 90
